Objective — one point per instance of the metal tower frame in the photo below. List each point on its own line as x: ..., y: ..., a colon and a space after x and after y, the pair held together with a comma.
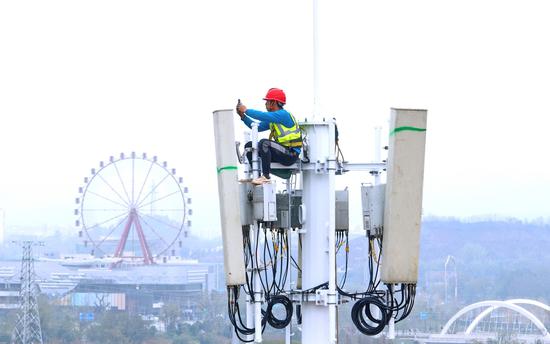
x: 28, y: 329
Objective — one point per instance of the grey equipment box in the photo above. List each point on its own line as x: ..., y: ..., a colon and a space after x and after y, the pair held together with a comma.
x: 264, y: 202
x: 372, y: 200
x: 283, y: 215
x: 342, y: 210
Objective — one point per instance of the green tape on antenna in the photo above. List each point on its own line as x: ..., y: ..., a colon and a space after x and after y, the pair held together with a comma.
x: 220, y: 169
x: 398, y: 129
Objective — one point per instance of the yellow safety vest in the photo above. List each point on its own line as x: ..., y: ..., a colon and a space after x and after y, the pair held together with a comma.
x: 288, y: 137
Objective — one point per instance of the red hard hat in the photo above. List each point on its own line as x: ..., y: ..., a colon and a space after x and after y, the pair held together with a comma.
x: 276, y: 94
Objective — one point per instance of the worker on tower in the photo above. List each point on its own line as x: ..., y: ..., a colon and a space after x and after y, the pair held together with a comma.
x: 285, y: 140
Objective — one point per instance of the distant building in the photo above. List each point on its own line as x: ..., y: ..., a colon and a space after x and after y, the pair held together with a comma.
x: 9, y: 288
x: 137, y: 289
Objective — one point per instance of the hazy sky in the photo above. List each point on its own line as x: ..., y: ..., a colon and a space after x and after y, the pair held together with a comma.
x: 83, y: 80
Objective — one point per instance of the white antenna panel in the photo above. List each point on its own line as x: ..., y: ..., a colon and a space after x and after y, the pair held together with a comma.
x: 403, y: 205
x: 228, y: 190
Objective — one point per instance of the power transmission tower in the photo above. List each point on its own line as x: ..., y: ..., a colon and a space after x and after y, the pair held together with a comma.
x: 28, y: 330
x: 454, y: 276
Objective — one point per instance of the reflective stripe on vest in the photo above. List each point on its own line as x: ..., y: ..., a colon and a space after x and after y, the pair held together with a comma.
x: 288, y: 137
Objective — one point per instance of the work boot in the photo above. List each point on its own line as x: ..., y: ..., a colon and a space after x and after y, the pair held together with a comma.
x: 261, y: 180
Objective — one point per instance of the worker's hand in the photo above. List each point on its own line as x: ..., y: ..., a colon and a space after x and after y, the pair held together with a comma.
x: 241, y: 109
x: 237, y: 108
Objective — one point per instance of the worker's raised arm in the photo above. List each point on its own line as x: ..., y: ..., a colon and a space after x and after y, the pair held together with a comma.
x: 262, y: 126
x: 280, y: 116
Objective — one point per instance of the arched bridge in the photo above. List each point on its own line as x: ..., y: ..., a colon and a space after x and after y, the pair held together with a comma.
x: 484, y: 311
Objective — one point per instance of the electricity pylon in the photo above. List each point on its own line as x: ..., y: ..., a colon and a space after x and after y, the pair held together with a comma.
x: 28, y: 330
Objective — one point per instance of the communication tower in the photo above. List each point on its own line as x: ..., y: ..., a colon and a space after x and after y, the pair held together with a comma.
x: 259, y: 224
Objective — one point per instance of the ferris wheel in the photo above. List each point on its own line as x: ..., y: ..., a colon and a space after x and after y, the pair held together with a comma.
x: 134, y: 208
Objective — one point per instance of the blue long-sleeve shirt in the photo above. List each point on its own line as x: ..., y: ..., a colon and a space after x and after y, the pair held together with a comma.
x: 265, y: 118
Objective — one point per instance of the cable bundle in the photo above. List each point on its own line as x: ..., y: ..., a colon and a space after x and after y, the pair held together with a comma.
x: 362, y: 308
x: 276, y: 266
x: 234, y: 314
x: 391, y: 304
x: 272, y: 319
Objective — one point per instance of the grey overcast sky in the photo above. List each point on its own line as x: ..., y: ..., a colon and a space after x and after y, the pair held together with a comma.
x: 83, y: 80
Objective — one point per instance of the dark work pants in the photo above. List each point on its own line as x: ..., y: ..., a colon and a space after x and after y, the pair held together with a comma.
x: 271, y: 151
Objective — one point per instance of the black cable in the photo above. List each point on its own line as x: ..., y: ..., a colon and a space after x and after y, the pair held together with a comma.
x: 287, y: 249
x: 273, y: 268
x: 374, y: 281
x: 396, y: 306
x: 317, y: 287
x: 396, y: 303
x: 257, y: 264
x: 233, y: 309
x: 249, y: 289
x: 295, y: 264
x: 271, y: 318
x: 340, y: 153
x: 283, y: 245
x: 277, y: 247
x: 343, y: 281
x: 362, y: 307
x: 412, y: 295
x: 410, y: 292
x: 250, y: 281
x: 278, y: 250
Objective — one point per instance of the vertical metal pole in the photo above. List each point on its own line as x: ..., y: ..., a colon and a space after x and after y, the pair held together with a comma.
x: 318, y: 254
x: 249, y: 309
x: 331, y: 224
x: 377, y: 151
x: 391, y: 328
x: 257, y: 300
x: 316, y: 62
x: 247, y: 165
x: 331, y: 227
x: 377, y: 158
x: 249, y: 173
x: 288, y: 286
x: 257, y: 285
x: 255, y: 160
x: 391, y: 324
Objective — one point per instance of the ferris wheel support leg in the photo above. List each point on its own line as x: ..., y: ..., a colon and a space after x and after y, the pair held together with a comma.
x: 147, y: 256
x: 122, y: 243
